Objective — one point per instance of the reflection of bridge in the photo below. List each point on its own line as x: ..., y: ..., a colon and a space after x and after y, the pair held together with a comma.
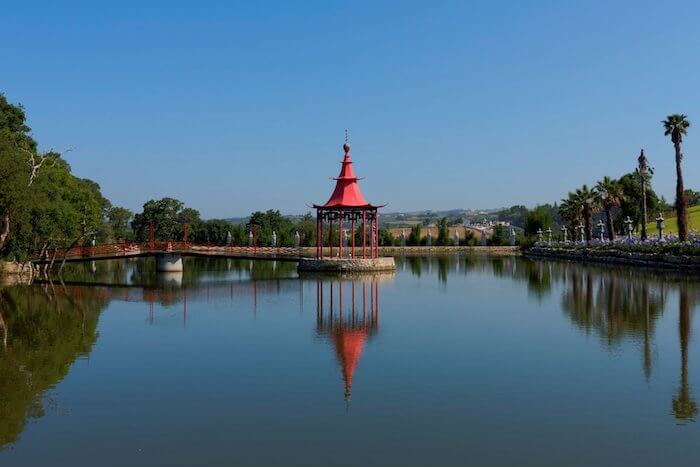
x: 173, y: 292
x: 347, y: 310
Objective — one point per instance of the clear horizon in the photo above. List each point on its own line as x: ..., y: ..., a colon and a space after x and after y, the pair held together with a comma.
x: 234, y: 108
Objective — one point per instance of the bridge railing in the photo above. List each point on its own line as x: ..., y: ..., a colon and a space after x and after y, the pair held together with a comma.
x: 117, y: 250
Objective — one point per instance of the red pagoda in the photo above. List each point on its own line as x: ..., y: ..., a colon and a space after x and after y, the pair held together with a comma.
x: 347, y: 204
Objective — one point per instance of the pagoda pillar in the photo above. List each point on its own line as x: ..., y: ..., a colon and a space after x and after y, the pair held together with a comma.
x: 330, y: 235
x: 364, y: 233
x: 340, y: 235
x: 318, y: 236
x: 352, y: 234
x: 377, y: 229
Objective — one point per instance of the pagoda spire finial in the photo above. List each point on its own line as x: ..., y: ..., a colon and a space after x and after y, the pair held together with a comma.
x: 346, y: 146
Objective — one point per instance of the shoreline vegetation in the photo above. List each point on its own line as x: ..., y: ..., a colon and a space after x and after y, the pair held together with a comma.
x: 46, y: 211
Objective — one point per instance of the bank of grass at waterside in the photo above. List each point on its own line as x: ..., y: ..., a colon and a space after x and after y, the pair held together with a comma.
x: 655, y: 253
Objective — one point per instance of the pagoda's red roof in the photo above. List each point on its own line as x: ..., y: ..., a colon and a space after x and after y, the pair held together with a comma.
x: 347, y: 192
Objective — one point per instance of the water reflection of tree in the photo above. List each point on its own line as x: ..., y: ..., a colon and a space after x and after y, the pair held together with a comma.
x: 46, y: 330
x: 443, y: 264
x: 414, y: 263
x: 612, y: 305
x: 684, y: 406
x: 143, y: 271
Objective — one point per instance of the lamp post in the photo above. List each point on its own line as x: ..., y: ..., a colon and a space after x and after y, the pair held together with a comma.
x: 539, y: 235
x: 643, y: 170
x: 601, y: 226
x: 628, y: 226
x: 660, y: 225
x: 549, y: 235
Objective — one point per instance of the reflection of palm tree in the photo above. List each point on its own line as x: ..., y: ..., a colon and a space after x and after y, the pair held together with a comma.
x: 647, y: 347
x: 614, y: 307
x: 684, y: 406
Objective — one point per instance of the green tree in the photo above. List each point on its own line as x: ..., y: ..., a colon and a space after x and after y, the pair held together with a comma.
x: 692, y: 197
x: 469, y: 238
x: 414, y: 238
x: 306, y: 226
x: 676, y: 126
x: 610, y: 195
x: 443, y: 237
x: 385, y: 237
x: 499, y: 236
x: 119, y: 223
x: 588, y: 201
x: 13, y: 125
x: 42, y: 204
x: 631, y: 200
x: 515, y: 215
x: 571, y: 212
x: 537, y: 219
x: 273, y: 221
x: 168, y: 215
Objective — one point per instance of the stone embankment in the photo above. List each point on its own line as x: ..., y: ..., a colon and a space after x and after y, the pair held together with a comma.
x: 347, y: 265
x: 629, y: 258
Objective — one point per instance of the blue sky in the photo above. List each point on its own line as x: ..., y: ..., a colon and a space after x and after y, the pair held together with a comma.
x: 241, y: 106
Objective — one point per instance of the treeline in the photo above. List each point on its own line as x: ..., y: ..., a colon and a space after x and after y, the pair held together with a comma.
x: 610, y: 200
x: 170, y: 216
x: 499, y: 237
x: 613, y: 201
x: 43, y: 206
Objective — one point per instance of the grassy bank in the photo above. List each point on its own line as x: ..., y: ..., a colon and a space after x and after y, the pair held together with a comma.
x: 671, y: 225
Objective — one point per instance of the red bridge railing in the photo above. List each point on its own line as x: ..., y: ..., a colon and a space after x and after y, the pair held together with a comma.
x: 125, y: 250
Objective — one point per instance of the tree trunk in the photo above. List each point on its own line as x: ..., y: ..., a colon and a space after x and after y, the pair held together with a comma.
x: 65, y: 254
x: 587, y: 221
x: 5, y: 230
x: 681, y: 208
x: 609, y: 221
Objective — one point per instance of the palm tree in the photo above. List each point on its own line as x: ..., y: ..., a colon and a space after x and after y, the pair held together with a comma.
x: 609, y: 194
x: 676, y: 126
x: 570, y: 212
x: 579, y: 206
x: 588, y: 201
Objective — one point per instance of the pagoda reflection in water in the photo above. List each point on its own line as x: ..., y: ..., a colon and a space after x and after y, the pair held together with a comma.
x: 347, y: 314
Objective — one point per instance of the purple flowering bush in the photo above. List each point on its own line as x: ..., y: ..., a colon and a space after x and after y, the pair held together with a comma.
x: 669, y: 244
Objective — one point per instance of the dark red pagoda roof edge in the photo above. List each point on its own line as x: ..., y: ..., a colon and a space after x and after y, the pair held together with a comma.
x: 364, y: 206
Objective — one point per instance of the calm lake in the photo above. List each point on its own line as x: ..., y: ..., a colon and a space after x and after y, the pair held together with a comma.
x: 451, y: 361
